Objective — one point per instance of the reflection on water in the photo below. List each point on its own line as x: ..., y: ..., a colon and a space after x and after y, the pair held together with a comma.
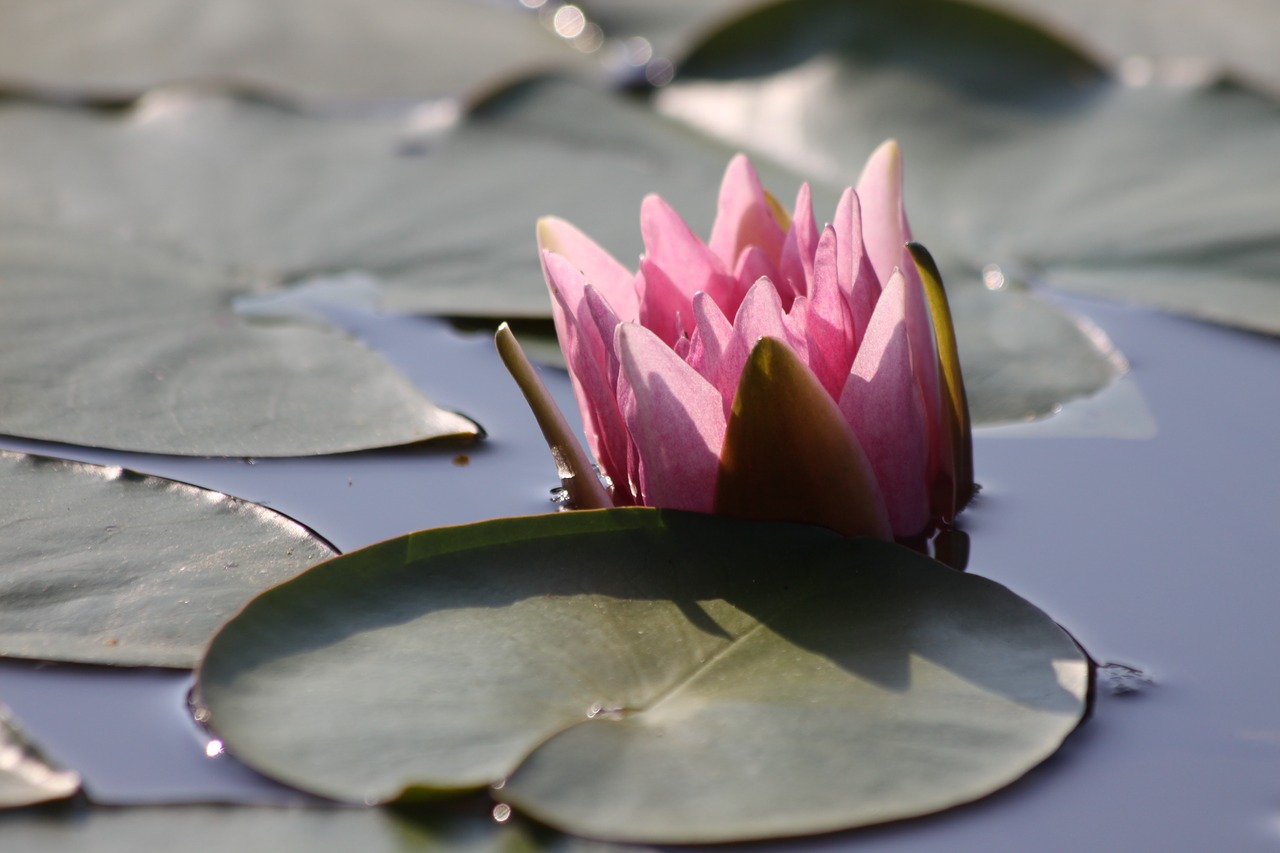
x: 1153, y: 551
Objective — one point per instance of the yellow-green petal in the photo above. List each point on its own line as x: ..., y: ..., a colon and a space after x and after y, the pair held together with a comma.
x: 949, y: 363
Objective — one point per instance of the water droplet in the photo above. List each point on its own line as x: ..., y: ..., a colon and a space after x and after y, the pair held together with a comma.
x: 590, y: 40
x: 660, y: 72
x: 569, y: 21
x: 502, y: 812
x: 993, y: 277
x: 213, y: 748
x: 594, y: 710
x: 639, y: 51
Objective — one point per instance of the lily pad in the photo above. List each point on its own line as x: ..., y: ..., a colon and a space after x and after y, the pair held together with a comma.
x: 444, y: 218
x: 1169, y: 42
x: 1025, y: 162
x: 268, y: 197
x: 646, y: 675
x: 1022, y: 356
x: 310, y: 49
x: 105, y: 565
x: 234, y: 829
x: 107, y: 345
x: 26, y: 776
x: 669, y: 27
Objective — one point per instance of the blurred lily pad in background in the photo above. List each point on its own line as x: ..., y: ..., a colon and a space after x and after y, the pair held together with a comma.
x: 646, y: 675
x: 26, y: 776
x: 264, y: 197
x: 1025, y: 162
x: 107, y: 344
x: 1169, y: 42
x: 105, y: 565
x: 309, y: 51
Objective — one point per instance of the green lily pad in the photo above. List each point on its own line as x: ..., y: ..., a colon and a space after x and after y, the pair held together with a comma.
x: 1022, y: 356
x: 268, y: 197
x: 310, y: 49
x: 646, y: 675
x: 670, y: 27
x: 26, y: 776
x: 106, y: 345
x: 1169, y: 42
x: 105, y: 565
x: 234, y: 829
x: 1023, y: 160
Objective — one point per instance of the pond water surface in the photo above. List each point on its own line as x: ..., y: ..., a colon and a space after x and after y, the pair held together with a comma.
x: 1157, y: 553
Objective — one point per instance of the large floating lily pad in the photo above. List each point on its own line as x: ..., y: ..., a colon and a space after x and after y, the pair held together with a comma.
x: 26, y: 776
x: 1019, y: 153
x: 107, y: 345
x: 104, y: 565
x: 315, y: 49
x: 646, y: 675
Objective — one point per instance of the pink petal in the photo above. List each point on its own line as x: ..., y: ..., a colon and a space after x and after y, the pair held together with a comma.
x: 847, y: 222
x: 759, y: 316
x: 861, y: 286
x: 830, y: 324
x: 580, y: 332
x: 754, y: 265
x: 600, y: 268
x: 884, y: 223
x: 596, y: 312
x: 671, y: 246
x: 710, y: 341
x: 800, y: 245
x: 744, y: 216
x: 664, y: 307
x: 676, y: 420
x: 882, y: 402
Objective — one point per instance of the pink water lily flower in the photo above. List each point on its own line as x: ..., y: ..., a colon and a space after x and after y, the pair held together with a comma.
x: 779, y: 371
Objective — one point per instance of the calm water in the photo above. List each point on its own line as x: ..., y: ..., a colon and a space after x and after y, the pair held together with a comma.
x: 1154, y: 552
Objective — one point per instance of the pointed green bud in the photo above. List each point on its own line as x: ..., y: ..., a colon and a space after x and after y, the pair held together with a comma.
x: 790, y: 455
